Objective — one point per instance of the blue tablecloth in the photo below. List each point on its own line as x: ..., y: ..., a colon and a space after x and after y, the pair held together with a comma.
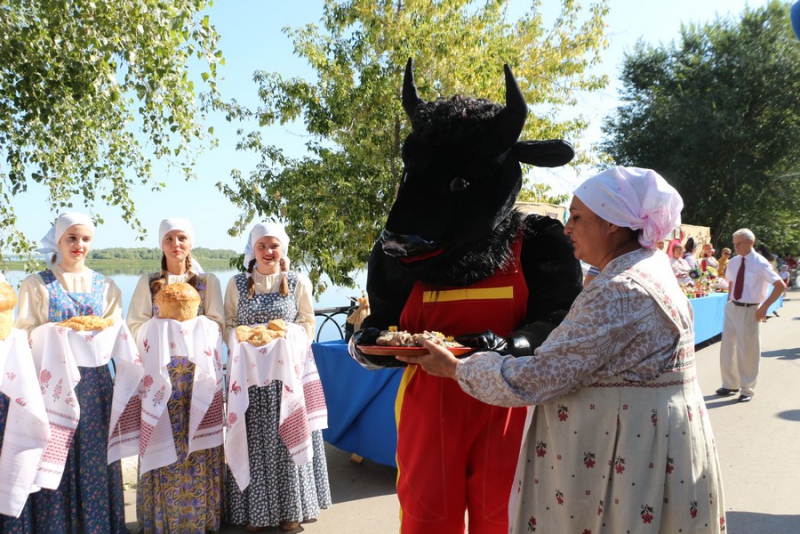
x: 709, y: 315
x: 361, y: 402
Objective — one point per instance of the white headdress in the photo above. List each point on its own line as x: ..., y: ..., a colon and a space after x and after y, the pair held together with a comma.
x: 65, y: 221
x: 634, y: 198
x: 183, y: 225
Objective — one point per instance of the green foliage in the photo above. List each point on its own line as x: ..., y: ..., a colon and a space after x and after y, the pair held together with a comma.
x: 537, y: 192
x: 154, y: 254
x: 78, y: 78
x: 336, y: 198
x: 717, y: 115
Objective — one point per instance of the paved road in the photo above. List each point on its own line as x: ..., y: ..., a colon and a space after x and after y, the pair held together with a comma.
x: 758, y: 442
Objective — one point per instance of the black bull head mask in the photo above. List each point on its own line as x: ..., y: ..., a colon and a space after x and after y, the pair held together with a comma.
x: 462, y: 170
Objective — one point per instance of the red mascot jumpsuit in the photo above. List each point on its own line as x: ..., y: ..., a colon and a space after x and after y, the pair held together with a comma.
x: 454, y: 452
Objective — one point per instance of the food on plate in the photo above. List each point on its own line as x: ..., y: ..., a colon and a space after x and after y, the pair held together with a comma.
x: 86, y: 322
x: 261, y: 334
x: 177, y: 301
x: 8, y: 299
x: 401, y: 338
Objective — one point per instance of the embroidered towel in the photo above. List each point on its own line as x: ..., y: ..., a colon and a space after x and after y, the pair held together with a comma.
x: 303, y: 407
x: 58, y: 352
x: 27, y: 429
x: 200, y: 340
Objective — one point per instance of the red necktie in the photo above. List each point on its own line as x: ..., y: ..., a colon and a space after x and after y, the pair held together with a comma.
x: 739, y: 285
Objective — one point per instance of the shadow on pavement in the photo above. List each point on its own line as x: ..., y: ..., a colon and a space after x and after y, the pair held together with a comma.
x: 783, y: 354
x: 715, y: 401
x: 352, y: 481
x: 755, y: 523
x: 790, y: 415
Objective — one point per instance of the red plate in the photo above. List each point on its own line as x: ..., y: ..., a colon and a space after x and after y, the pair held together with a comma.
x: 382, y: 350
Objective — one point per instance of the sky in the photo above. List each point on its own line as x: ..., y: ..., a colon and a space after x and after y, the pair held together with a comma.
x: 251, y: 39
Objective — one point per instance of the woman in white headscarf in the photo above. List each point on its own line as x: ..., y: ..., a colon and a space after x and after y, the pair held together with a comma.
x: 280, y: 493
x: 176, y: 239
x: 619, y: 439
x: 185, y: 495
x: 89, y: 497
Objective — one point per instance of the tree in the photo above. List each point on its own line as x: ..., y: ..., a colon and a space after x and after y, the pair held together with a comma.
x: 717, y: 115
x: 336, y: 198
x: 537, y: 192
x: 78, y: 79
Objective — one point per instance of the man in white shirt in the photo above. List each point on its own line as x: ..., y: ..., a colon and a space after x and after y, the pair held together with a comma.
x: 750, y: 276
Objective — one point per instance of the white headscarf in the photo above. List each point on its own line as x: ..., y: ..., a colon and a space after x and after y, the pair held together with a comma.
x: 268, y: 229
x: 183, y: 225
x: 634, y: 198
x: 168, y: 225
x: 65, y: 221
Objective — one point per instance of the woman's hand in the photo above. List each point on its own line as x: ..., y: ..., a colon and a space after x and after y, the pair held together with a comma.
x: 439, y: 361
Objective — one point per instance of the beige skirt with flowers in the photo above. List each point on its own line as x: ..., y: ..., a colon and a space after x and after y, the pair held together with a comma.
x: 620, y: 456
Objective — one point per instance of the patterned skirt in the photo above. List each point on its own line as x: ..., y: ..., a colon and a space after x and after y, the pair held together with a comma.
x: 279, y: 490
x: 621, y: 456
x: 89, y: 498
x: 185, y: 496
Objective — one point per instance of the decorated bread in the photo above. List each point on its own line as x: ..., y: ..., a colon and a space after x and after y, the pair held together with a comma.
x: 177, y: 301
x: 86, y: 322
x: 8, y: 299
x: 261, y: 335
x: 401, y: 338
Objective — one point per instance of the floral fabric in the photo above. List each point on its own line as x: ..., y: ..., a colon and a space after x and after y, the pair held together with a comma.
x: 185, y: 496
x: 64, y: 305
x: 89, y: 497
x: 279, y: 490
x: 620, y: 439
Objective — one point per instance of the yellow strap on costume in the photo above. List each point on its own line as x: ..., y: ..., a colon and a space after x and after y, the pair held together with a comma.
x: 486, y: 293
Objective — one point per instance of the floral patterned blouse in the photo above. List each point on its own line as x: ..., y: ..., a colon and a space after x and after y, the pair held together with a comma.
x: 614, y: 328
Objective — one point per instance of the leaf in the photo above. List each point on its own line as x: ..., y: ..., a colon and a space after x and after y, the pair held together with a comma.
x: 336, y: 196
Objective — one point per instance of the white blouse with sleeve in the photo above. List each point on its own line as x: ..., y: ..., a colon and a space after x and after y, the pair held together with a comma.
x: 34, y: 299
x: 140, y: 309
x: 271, y: 283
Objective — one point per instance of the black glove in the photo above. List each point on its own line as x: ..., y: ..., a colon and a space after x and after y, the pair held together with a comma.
x: 486, y: 340
x: 524, y: 341
x: 521, y: 342
x: 369, y: 336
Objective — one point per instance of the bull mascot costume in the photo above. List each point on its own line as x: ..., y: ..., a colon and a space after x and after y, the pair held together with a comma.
x: 457, y: 258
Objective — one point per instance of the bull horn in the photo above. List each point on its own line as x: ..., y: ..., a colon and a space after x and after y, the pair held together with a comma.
x: 410, y: 97
x: 510, y: 121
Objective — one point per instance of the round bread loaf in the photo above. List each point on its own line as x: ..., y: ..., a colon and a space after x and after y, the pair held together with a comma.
x: 177, y: 301
x: 83, y: 323
x: 8, y: 299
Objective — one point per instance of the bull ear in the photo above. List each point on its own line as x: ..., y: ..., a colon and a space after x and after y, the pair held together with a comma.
x: 410, y: 97
x: 509, y: 122
x: 552, y: 153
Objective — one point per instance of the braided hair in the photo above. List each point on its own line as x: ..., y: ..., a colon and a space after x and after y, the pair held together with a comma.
x: 284, y: 289
x: 157, y: 284
x: 250, y: 284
